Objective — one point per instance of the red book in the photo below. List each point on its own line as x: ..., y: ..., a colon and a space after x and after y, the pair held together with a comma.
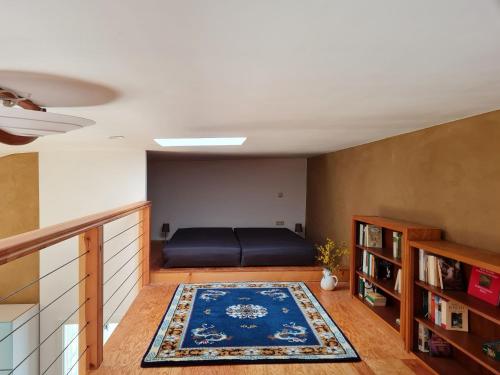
x: 484, y: 285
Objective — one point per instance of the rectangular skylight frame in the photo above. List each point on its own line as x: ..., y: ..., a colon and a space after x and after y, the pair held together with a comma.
x: 200, y: 142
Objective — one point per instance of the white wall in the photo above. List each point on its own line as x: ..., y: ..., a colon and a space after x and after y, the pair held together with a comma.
x: 75, y: 184
x: 78, y: 183
x: 226, y: 193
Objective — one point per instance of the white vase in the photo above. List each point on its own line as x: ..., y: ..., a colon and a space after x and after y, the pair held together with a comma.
x: 329, y: 281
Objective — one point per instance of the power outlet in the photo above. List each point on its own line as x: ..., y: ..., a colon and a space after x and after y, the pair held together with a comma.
x: 280, y: 223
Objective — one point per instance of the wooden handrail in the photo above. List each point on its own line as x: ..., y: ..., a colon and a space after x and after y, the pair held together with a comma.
x: 16, y: 247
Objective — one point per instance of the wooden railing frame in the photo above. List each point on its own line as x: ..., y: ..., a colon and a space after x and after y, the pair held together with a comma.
x: 90, y: 232
x: 16, y: 247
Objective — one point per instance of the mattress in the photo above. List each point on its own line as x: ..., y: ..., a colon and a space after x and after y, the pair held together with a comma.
x: 202, y: 247
x: 274, y: 247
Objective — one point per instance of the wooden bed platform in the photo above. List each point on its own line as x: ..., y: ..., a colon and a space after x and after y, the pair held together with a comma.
x: 228, y: 274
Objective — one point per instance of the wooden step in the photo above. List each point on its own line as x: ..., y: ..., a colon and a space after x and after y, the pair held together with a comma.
x: 228, y: 274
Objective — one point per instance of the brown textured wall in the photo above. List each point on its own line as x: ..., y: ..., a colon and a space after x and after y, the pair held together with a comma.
x: 447, y: 176
x: 19, y: 212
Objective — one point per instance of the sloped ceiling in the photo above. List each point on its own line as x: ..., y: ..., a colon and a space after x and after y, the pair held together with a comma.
x: 296, y: 77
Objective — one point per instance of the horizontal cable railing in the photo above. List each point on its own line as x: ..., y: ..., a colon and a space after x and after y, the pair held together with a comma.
x: 86, y: 284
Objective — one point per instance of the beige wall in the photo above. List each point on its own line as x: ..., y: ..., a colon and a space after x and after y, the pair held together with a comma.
x: 19, y: 212
x: 447, y: 176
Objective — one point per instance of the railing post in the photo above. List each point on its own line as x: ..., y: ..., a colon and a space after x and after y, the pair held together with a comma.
x: 145, y: 242
x: 92, y: 242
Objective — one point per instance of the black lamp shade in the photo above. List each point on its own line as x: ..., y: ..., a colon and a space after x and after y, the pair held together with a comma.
x: 165, y: 228
x: 298, y: 228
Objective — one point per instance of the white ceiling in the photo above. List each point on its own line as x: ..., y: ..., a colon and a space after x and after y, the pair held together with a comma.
x: 295, y: 77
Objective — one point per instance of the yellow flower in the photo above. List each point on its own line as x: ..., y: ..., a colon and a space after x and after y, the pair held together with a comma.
x: 330, y: 254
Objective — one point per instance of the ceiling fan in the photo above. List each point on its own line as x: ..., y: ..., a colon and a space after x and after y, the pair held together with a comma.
x: 25, y: 125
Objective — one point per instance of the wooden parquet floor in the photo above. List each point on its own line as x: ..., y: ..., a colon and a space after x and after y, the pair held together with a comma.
x: 379, y: 346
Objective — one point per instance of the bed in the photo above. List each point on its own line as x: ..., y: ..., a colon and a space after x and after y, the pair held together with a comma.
x: 202, y: 247
x: 274, y: 247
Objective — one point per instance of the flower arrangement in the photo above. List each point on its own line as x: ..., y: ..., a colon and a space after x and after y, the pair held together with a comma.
x: 330, y: 255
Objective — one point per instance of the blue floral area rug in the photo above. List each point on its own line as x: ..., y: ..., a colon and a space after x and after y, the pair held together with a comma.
x: 257, y: 322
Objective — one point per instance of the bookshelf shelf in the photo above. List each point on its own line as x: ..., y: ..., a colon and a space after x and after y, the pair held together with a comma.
x: 388, y: 313
x: 469, y: 343
x: 483, y: 318
x: 386, y: 285
x: 385, y: 254
x: 442, y: 365
x: 474, y: 304
x: 396, y: 306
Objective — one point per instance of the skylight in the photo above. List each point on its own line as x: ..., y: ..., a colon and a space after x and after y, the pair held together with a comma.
x: 185, y: 142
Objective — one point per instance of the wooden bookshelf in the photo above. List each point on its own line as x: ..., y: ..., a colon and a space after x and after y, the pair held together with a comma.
x: 396, y: 302
x: 484, y: 318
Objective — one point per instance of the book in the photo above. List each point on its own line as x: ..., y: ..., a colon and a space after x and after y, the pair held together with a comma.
x: 374, y: 296
x: 485, y: 285
x: 423, y: 338
x: 437, y: 311
x: 439, y: 347
x: 432, y: 271
x: 432, y: 308
x: 377, y: 304
x: 365, y: 262
x: 444, y: 313
x: 422, y: 265
x: 396, y: 244
x: 440, y: 277
x: 361, y: 234
x: 373, y: 236
x: 450, y: 274
x: 492, y: 350
x: 371, y: 265
x: 397, y: 284
x: 361, y: 287
x: 425, y: 304
x: 457, y: 317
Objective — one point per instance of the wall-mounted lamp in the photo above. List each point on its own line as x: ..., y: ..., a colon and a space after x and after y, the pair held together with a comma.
x: 165, y: 229
x: 298, y: 228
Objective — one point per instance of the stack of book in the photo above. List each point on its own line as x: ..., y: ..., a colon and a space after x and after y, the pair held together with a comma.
x: 368, y: 264
x: 449, y: 315
x: 440, y: 272
x: 370, y: 235
x: 375, y: 299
